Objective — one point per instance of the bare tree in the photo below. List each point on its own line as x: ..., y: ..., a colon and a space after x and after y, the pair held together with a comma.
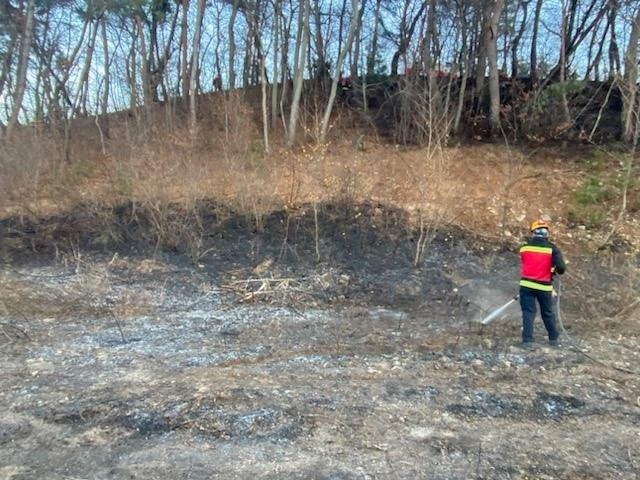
x: 356, y: 42
x: 8, y: 15
x: 184, y: 47
x: 252, y: 16
x: 492, y: 12
x: 302, y: 43
x: 232, y: 42
x: 277, y: 13
x: 144, y: 59
x: 195, y: 69
x: 410, y: 16
x: 103, y: 121
x: 80, y: 97
x: 321, y: 64
x: 466, y: 60
x: 522, y: 13
x: 23, y: 63
x: 629, y: 86
x: 372, y: 53
x: 284, y: 35
x: 160, y: 54
x: 578, y: 21
x: 219, y: 40
x: 614, y: 53
x: 631, y: 122
x: 533, y: 57
x: 562, y: 71
x: 429, y: 50
x: 355, y: 20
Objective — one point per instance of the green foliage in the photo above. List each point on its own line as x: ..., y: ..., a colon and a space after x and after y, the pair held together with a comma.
x: 255, y: 156
x: 121, y: 184
x: 551, y: 95
x: 591, y: 216
x: 376, y: 68
x: 568, y: 87
x: 593, y: 191
x: 595, y: 198
x: 376, y: 79
x: 598, y: 158
x: 73, y: 175
x: 589, y: 209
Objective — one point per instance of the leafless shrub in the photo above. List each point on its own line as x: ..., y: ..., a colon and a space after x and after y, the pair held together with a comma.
x: 604, y: 291
x: 424, y: 111
x: 623, y: 299
x: 24, y: 163
x: 229, y: 127
x: 438, y: 200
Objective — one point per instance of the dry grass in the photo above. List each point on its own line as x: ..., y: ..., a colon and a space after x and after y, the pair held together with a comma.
x: 486, y: 188
x: 489, y: 189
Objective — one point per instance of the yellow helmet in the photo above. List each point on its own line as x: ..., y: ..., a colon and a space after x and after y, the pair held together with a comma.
x: 540, y: 228
x: 536, y: 224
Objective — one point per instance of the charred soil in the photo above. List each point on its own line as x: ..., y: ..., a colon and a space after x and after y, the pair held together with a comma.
x: 312, y: 347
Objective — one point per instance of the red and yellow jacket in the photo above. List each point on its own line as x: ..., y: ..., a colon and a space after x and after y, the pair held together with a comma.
x: 539, y: 258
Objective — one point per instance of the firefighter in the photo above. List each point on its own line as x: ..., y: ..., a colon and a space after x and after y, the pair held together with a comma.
x: 540, y: 260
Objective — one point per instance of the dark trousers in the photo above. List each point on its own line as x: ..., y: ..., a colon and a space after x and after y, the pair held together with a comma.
x: 528, y: 299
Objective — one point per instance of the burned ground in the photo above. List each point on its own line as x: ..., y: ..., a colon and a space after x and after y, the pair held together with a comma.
x: 303, y: 347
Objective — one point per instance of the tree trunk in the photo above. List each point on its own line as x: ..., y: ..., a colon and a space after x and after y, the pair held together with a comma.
x: 81, y: 91
x: 336, y: 74
x: 232, y: 44
x: 614, y: 53
x: 372, y: 54
x: 144, y: 69
x: 165, y: 57
x: 518, y: 37
x: 322, y: 70
x: 7, y: 62
x: 481, y: 54
x: 276, y: 61
x: 252, y: 20
x: 534, y: 43
x: 562, y: 71
x: 195, y: 70
x: 466, y: 61
x: 103, y: 120
x: 302, y: 44
x: 265, y: 109
x: 492, y: 16
x: 23, y: 64
x: 285, y: 73
x: 430, y: 40
x: 184, y: 63
x: 355, y: 44
x: 630, y: 100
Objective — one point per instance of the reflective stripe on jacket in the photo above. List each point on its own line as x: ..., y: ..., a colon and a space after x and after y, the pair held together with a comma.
x: 537, y: 262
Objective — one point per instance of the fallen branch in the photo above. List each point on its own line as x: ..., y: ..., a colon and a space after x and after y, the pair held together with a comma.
x: 252, y: 288
x: 13, y: 333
